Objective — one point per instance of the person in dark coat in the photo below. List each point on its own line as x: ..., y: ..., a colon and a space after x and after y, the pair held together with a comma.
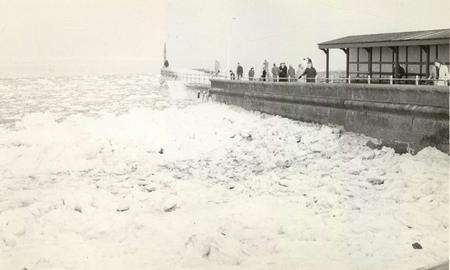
x: 251, y: 74
x: 264, y: 74
x: 310, y: 72
x: 239, y: 71
x: 232, y: 77
x: 283, y: 73
x: 399, y: 72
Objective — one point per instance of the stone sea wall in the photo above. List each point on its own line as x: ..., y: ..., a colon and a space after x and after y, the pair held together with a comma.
x: 406, y: 117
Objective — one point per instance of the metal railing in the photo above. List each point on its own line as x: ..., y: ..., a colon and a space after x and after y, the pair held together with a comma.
x: 353, y: 80
x: 200, y: 79
x: 386, y: 80
x: 190, y: 78
x: 204, y: 79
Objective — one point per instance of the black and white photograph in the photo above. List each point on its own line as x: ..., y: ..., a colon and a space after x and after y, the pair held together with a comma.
x: 224, y: 134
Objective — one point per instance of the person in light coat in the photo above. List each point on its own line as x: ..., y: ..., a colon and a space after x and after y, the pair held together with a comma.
x: 291, y: 73
x: 439, y: 73
x: 275, y: 71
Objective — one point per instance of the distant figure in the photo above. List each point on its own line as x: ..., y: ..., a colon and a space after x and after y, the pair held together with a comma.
x: 439, y: 73
x: 264, y: 74
x: 266, y: 65
x: 216, y: 66
x: 232, y: 77
x: 251, y: 74
x: 291, y: 73
x: 166, y: 63
x: 301, y: 69
x: 275, y: 71
x: 399, y: 72
x: 309, y: 72
x: 239, y: 71
x: 443, y: 73
x: 283, y: 73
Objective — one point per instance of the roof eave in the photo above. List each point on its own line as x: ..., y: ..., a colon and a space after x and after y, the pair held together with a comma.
x: 385, y: 43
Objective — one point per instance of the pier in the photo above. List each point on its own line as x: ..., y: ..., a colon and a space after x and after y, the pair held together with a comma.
x: 405, y: 117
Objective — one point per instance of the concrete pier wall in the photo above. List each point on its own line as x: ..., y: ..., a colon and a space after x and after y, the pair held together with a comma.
x: 406, y: 117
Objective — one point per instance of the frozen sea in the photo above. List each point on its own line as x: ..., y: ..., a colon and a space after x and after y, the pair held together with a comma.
x: 117, y: 172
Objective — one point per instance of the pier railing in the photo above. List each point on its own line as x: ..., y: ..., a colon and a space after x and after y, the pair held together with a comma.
x: 199, y: 79
x: 204, y: 79
x: 353, y: 80
x: 191, y: 78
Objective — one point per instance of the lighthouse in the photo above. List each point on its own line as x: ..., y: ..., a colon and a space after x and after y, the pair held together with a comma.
x: 166, y: 62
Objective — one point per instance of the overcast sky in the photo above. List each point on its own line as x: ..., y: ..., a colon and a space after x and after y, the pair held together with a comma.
x: 286, y: 30
x: 81, y: 36
x: 110, y: 36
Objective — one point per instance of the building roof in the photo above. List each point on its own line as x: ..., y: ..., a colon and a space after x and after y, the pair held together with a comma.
x: 429, y: 37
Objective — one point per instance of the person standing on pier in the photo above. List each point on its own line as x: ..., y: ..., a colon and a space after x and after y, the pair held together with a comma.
x: 275, y: 72
x: 251, y: 74
x: 266, y: 65
x: 300, y: 70
x: 439, y: 73
x: 239, y: 71
x: 291, y: 73
x: 231, y: 75
x: 310, y: 72
x: 264, y: 74
x: 443, y: 73
x: 399, y: 72
x: 283, y: 73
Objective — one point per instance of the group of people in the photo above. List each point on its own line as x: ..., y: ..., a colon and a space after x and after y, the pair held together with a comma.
x: 438, y: 74
x: 280, y: 73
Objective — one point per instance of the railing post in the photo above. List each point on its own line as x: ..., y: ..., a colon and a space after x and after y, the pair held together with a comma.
x: 417, y: 79
x: 349, y: 79
x: 368, y: 79
x: 391, y: 80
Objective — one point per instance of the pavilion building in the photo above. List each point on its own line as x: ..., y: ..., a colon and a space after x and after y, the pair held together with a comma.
x: 375, y: 55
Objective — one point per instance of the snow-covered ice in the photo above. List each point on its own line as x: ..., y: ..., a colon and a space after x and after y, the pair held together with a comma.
x: 111, y: 173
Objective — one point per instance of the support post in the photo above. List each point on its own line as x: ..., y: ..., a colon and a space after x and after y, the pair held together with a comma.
x: 369, y: 56
x: 357, y: 62
x: 327, y: 63
x: 381, y: 60
x: 347, y: 61
x: 396, y: 55
x: 393, y: 60
x: 406, y: 59
x: 421, y: 60
x: 428, y: 61
x: 426, y: 49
